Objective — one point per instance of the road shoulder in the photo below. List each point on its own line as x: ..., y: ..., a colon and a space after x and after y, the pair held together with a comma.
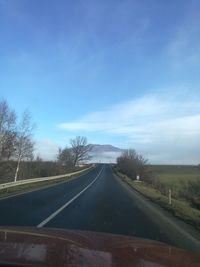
x: 182, y: 234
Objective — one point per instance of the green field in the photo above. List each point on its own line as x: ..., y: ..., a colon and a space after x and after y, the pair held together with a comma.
x: 174, y: 177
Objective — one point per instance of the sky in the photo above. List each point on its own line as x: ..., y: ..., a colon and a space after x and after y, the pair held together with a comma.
x: 125, y: 73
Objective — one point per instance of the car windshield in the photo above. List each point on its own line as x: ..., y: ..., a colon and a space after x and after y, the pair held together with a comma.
x: 100, y: 118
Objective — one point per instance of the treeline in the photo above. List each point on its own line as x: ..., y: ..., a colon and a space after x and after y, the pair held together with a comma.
x: 17, y: 149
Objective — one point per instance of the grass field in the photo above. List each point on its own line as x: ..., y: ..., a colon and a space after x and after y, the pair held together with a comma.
x: 175, y: 177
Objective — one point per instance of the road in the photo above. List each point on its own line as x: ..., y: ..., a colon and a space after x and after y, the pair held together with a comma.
x: 95, y: 201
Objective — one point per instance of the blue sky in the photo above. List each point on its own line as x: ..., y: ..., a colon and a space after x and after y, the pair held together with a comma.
x: 118, y: 72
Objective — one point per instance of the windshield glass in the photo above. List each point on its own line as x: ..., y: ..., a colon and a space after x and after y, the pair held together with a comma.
x: 100, y: 117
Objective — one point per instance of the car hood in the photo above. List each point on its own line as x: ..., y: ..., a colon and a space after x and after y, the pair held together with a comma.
x: 54, y: 247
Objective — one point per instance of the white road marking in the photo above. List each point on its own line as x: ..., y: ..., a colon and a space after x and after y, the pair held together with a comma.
x: 44, y: 222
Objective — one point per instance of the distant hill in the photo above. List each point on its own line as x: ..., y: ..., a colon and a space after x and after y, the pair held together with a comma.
x: 104, y: 148
x: 105, y: 153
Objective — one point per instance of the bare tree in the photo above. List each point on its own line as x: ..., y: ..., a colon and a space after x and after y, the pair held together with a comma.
x: 80, y: 149
x: 24, y: 145
x: 132, y: 164
x: 65, y: 156
x: 8, y: 147
x: 38, y: 158
x: 7, y: 131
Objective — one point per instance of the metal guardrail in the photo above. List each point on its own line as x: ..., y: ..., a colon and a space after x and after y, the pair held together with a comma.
x: 41, y: 179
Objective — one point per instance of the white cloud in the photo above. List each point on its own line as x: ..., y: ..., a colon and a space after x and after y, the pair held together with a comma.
x: 46, y: 149
x: 164, y: 126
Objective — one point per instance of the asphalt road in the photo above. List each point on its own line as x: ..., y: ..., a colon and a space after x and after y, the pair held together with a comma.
x: 95, y: 201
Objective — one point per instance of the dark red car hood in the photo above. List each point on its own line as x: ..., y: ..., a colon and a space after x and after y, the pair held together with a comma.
x: 50, y: 247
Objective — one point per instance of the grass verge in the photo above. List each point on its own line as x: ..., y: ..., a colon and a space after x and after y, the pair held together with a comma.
x: 178, y: 208
x: 37, y: 185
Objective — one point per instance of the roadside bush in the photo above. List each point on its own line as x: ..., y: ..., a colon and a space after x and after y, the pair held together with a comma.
x: 33, y: 169
x: 193, y: 193
x: 132, y: 164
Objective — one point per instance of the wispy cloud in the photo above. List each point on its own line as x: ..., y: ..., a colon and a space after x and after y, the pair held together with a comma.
x: 152, y: 123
